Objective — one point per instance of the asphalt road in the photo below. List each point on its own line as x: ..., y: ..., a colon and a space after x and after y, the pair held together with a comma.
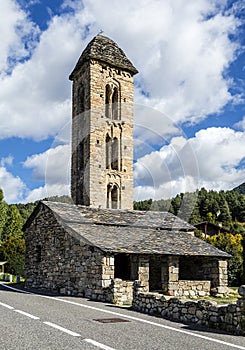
x: 31, y: 321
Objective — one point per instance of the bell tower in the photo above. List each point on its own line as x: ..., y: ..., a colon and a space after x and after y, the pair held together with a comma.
x: 102, y: 127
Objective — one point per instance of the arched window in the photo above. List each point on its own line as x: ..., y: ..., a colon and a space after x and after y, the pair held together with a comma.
x: 114, y: 197
x: 114, y: 154
x: 112, y: 101
x: 107, y: 101
x: 108, y: 151
x: 115, y: 104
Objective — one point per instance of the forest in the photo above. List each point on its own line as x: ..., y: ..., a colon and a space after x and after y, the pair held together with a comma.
x: 224, y: 208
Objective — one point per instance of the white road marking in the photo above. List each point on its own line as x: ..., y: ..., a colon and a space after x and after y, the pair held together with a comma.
x: 62, y: 329
x: 7, y: 306
x: 26, y: 314
x: 99, y: 345
x: 136, y: 319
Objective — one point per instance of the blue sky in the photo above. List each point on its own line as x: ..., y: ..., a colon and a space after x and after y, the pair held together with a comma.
x: 189, y: 93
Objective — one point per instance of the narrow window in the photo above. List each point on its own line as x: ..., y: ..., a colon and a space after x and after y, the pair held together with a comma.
x: 115, y: 104
x: 107, y: 101
x: 114, y: 198
x: 108, y: 203
x: 108, y: 151
x: 114, y: 154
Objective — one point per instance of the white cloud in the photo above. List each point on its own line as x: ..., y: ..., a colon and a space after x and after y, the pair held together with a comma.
x: 16, y: 30
x: 241, y: 124
x: 53, y: 169
x: 211, y: 159
x: 47, y: 191
x: 13, y: 187
x: 36, y: 97
x: 52, y: 166
x: 181, y: 50
x: 180, y: 54
x: 7, y: 161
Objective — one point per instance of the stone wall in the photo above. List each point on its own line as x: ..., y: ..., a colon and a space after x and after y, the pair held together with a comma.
x: 230, y: 318
x: 189, y: 288
x: 57, y: 261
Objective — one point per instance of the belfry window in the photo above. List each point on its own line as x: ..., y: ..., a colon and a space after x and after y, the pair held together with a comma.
x: 108, y: 151
x: 115, y: 154
x: 115, y: 104
x: 112, y: 102
x: 107, y: 101
x: 113, y: 197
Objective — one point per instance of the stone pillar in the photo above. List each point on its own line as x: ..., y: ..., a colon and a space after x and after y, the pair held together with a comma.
x: 220, y: 278
x: 143, y: 271
x: 173, y: 269
x: 173, y: 274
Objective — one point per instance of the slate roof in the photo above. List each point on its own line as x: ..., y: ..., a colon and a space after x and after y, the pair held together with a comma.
x: 121, y: 231
x: 105, y: 50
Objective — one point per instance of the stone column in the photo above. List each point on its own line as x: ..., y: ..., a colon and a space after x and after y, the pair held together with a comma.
x: 173, y: 274
x: 143, y: 271
x: 219, y: 277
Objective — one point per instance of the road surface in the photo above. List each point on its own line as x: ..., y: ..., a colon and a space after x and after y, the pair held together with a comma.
x: 38, y: 322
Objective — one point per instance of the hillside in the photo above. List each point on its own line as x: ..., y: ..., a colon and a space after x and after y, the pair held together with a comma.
x: 240, y: 188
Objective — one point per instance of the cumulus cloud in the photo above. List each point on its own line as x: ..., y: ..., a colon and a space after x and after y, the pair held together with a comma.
x: 241, y: 124
x: 47, y: 191
x: 18, y: 34
x: 13, y: 187
x: 52, y: 166
x: 211, y: 159
x: 36, y: 96
x: 181, y: 51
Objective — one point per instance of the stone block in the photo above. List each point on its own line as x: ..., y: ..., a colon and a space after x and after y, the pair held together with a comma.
x: 241, y: 291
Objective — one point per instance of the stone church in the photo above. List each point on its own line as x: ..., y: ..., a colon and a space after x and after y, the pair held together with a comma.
x: 100, y: 247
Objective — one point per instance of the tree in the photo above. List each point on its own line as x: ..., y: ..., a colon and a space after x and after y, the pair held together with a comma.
x: 13, y: 224
x: 12, y: 250
x: 3, y: 213
x: 232, y: 244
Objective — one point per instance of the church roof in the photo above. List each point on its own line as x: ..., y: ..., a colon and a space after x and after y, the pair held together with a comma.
x: 122, y: 231
x: 105, y: 50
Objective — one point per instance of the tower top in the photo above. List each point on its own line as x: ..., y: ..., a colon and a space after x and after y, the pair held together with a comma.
x: 104, y: 49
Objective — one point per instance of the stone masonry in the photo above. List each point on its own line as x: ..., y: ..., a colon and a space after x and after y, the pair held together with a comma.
x: 102, y: 127
x: 229, y: 318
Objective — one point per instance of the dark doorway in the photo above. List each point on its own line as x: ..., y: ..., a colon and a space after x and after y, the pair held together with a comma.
x: 155, y: 274
x: 122, y: 266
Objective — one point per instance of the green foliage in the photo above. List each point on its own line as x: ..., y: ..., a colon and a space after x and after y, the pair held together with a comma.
x: 143, y: 205
x: 232, y: 244
x: 3, y: 213
x: 13, y: 224
x: 12, y: 250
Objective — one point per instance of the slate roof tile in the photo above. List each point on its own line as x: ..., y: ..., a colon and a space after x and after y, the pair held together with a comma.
x: 121, y: 231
